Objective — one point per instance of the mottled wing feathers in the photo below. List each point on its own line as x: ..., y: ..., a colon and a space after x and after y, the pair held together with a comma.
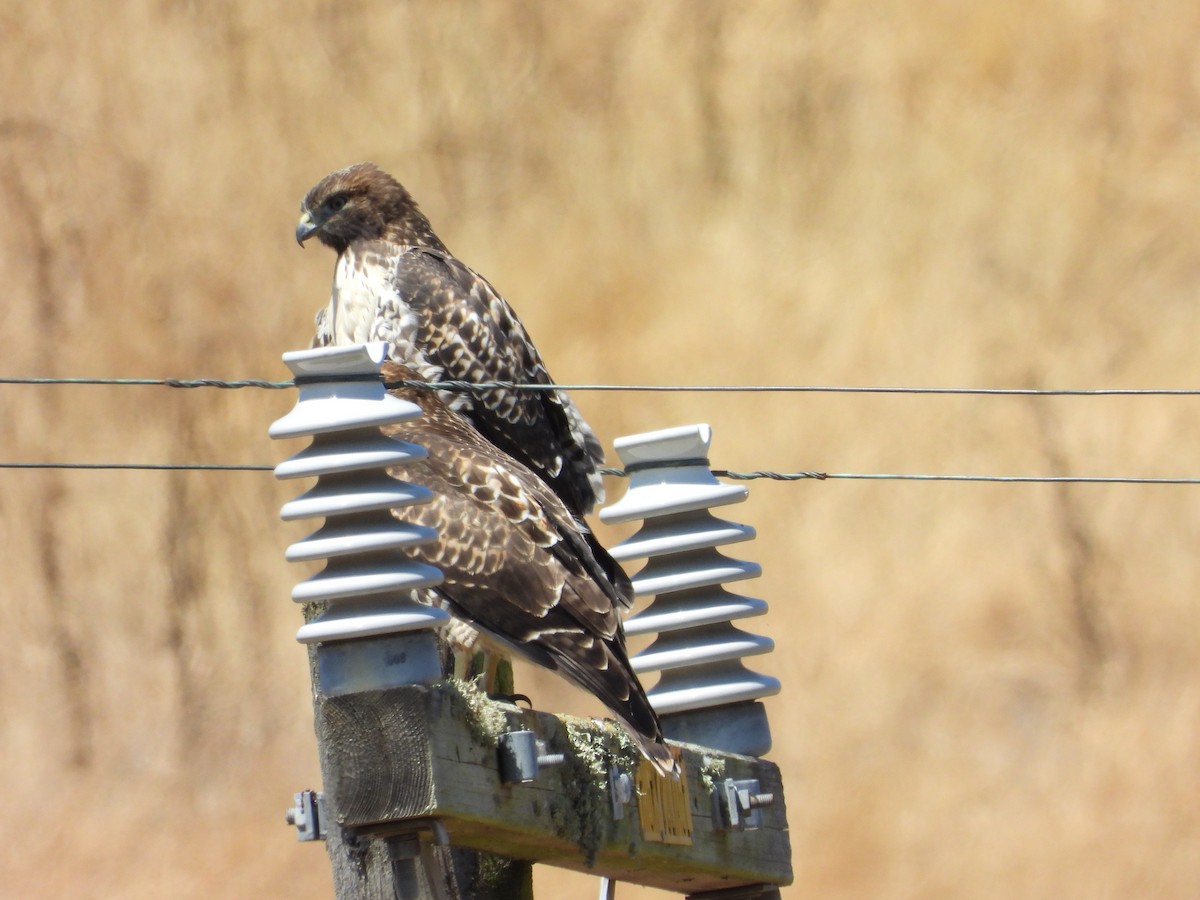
x: 517, y: 564
x: 498, y: 494
x: 464, y: 329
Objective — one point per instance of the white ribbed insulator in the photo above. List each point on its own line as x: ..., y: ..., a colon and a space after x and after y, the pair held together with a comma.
x: 367, y: 582
x: 705, y: 695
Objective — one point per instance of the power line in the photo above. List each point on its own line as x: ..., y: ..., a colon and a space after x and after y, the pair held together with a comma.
x: 455, y: 385
x: 620, y: 473
x: 1002, y: 479
x: 832, y: 389
x: 154, y: 467
x: 897, y: 476
x: 154, y: 382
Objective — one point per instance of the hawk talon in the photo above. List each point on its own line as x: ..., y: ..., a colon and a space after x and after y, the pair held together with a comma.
x: 511, y: 698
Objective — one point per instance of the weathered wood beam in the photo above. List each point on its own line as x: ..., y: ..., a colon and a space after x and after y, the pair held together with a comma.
x: 397, y: 758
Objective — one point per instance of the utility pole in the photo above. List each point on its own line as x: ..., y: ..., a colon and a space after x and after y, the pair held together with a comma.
x: 434, y: 791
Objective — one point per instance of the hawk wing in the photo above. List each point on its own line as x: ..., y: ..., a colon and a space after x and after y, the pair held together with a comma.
x: 448, y: 323
x: 518, y: 565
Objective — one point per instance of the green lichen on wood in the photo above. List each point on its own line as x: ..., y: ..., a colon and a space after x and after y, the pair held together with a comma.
x: 601, y: 743
x: 500, y: 878
x: 595, y: 746
x: 711, y: 771
x: 484, y: 718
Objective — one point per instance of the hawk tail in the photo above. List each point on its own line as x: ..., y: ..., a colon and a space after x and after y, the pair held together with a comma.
x: 656, y: 752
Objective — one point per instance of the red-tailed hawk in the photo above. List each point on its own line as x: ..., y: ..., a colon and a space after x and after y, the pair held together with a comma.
x: 518, y: 565
x: 395, y: 281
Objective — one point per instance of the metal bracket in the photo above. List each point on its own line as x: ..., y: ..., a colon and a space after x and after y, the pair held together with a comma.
x: 620, y: 791
x: 307, y: 816
x: 738, y: 804
x: 425, y: 843
x: 523, y: 756
x: 745, y: 892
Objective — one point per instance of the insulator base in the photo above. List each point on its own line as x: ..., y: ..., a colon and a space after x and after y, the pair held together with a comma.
x: 376, y: 663
x: 735, y: 728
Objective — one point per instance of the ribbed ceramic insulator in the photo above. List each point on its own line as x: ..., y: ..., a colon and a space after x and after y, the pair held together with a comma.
x: 705, y: 694
x: 367, y: 582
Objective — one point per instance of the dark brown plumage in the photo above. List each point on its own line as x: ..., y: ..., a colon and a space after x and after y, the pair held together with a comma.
x: 518, y: 565
x: 395, y: 281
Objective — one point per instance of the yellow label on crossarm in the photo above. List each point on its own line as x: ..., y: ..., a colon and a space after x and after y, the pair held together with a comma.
x: 663, y: 807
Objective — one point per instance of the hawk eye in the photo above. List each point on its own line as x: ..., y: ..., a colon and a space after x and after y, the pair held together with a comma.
x: 336, y: 202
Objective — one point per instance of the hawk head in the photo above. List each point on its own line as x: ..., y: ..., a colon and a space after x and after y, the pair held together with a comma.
x: 362, y: 202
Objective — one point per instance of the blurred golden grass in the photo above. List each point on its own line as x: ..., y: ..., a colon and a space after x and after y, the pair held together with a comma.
x: 989, y: 690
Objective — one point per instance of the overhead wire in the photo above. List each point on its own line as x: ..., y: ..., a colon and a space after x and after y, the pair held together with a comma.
x: 620, y: 473
x: 456, y: 385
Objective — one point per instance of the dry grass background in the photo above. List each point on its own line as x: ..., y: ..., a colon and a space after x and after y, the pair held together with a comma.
x: 990, y: 691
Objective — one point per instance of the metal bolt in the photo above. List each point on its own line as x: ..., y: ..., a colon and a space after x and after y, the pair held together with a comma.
x: 754, y: 801
x: 620, y: 791
x: 522, y: 756
x: 305, y: 816
x: 739, y: 803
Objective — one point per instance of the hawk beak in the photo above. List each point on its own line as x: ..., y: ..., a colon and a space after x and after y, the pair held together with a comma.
x: 305, y: 228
